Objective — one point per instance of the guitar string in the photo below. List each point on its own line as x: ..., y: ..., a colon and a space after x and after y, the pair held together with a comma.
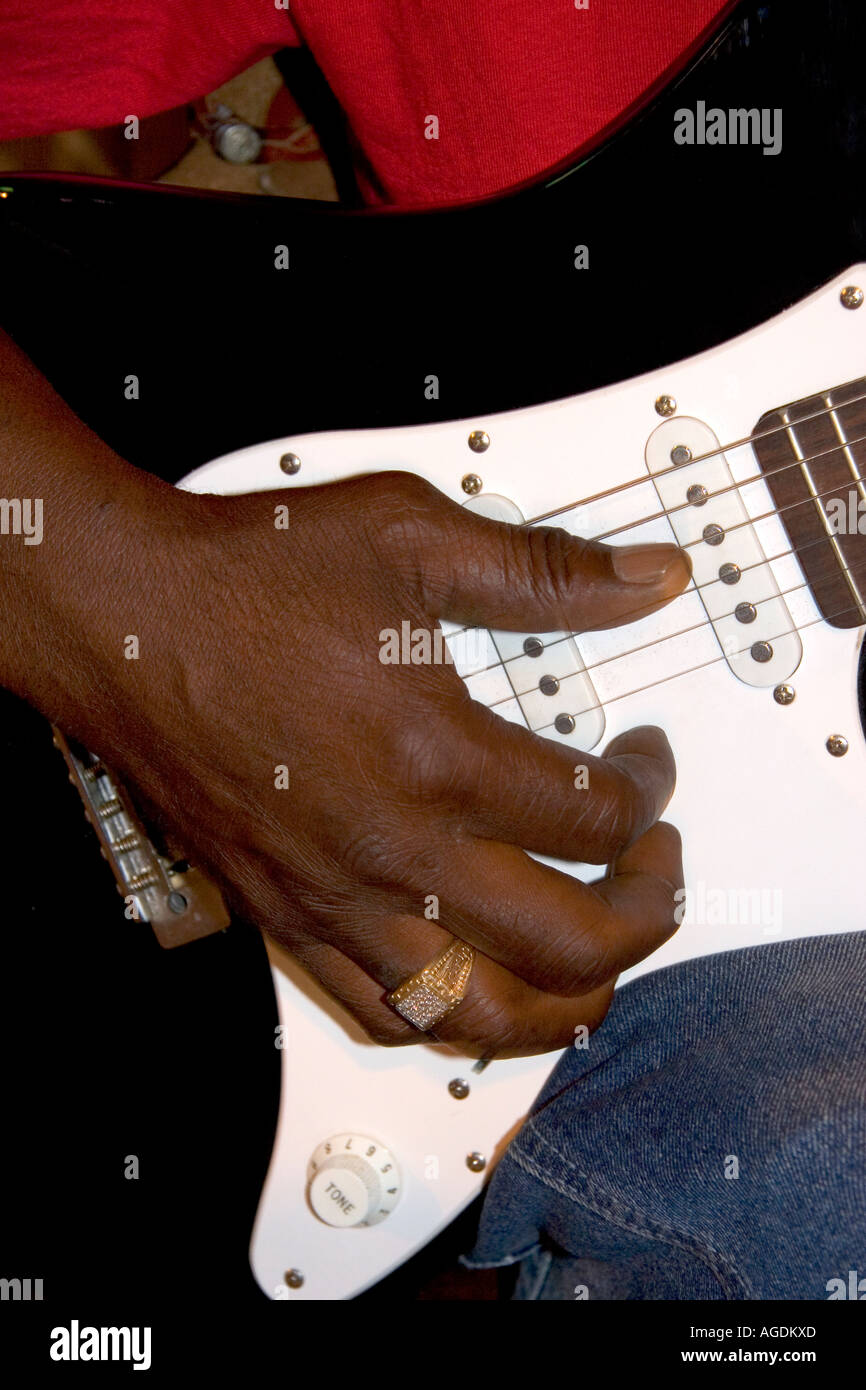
x: 840, y: 569
x: 731, y: 487
x: 746, y: 482
x: 701, y: 458
x: 663, y: 680
x: 654, y: 642
x: 784, y: 427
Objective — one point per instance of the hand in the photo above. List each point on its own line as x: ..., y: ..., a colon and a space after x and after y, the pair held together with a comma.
x: 259, y: 650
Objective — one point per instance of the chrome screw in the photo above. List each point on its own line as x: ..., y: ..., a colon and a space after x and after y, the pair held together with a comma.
x: 665, y: 405
x: 458, y: 1088
x: 479, y: 441
x: 837, y: 745
x: 294, y: 1278
x: 852, y: 296
x: 290, y: 463
x: 784, y: 694
x: 476, y: 1162
x: 472, y: 484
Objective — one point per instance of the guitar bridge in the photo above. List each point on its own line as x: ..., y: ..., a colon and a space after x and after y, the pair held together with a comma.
x: 177, y: 901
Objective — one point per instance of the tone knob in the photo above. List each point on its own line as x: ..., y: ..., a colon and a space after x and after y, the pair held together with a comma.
x: 352, y: 1181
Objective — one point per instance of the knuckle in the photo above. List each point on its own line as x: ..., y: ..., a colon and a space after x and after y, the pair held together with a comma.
x: 391, y: 1032
x: 612, y: 820
x: 486, y: 1024
x: 583, y: 961
x: 401, y: 507
x: 424, y: 760
x: 401, y: 486
x: 374, y: 857
x: 558, y: 557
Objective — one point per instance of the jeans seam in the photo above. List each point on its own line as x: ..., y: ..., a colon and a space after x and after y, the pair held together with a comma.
x: 617, y: 1214
x: 545, y: 1260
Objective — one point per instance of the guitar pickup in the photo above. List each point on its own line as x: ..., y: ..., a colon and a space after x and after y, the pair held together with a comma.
x: 733, y: 578
x: 545, y: 671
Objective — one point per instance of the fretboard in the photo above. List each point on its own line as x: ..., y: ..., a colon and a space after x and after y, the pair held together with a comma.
x: 812, y: 454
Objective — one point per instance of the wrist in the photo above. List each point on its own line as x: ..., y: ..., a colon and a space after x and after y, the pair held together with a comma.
x: 79, y: 604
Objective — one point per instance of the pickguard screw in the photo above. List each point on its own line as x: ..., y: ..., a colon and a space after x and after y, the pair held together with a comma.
x: 290, y: 463
x: 665, y: 405
x: 472, y: 484
x: 837, y: 745
x: 478, y: 441
x: 458, y: 1088
x: 294, y: 1278
x: 476, y: 1162
x: 852, y: 296
x: 784, y: 694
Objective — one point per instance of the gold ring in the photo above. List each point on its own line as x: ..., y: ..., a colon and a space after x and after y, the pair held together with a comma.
x: 431, y: 993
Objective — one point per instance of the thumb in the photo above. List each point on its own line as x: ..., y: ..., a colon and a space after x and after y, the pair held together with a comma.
x: 542, y: 579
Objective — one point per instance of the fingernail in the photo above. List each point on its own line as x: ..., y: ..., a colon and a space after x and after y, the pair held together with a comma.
x: 649, y: 564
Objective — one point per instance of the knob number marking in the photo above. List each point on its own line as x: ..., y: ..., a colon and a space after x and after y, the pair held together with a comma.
x: 345, y: 1184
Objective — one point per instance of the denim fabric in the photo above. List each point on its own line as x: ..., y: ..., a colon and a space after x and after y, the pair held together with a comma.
x: 708, y: 1143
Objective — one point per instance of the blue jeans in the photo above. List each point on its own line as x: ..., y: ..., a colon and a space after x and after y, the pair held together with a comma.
x: 708, y: 1143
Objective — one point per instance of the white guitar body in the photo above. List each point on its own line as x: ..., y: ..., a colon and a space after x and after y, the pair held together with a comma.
x: 771, y: 821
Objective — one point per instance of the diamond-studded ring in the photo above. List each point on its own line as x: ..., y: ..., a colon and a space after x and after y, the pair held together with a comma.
x: 428, y: 995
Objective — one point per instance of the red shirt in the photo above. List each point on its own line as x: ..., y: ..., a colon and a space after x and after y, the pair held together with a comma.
x: 515, y: 85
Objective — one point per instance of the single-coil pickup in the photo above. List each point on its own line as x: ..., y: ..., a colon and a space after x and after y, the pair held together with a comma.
x: 734, y: 581
x: 545, y: 670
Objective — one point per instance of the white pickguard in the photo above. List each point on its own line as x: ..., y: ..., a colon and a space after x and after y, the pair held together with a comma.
x: 760, y: 803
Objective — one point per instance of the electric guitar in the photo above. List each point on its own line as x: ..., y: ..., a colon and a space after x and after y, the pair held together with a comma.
x: 697, y: 373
